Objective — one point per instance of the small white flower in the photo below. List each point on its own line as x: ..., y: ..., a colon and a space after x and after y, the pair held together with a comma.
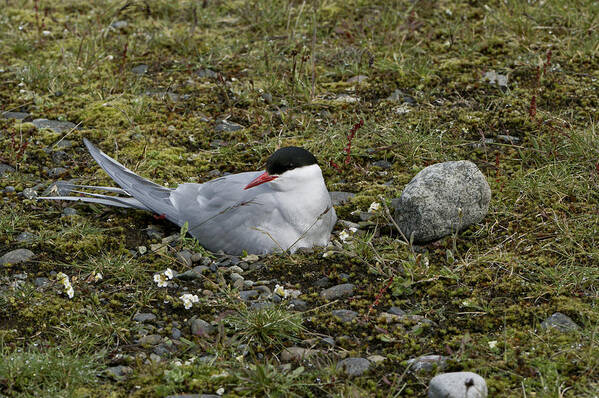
x: 169, y: 273
x: 98, y: 277
x: 220, y: 391
x: 188, y: 300
x: 353, y: 230
x: 327, y: 254
x: 46, y: 33
x: 160, y: 280
x: 374, y: 206
x: 110, y: 57
x: 66, y: 283
x: 492, y: 344
x: 280, y: 290
x: 70, y: 292
x: 344, y: 236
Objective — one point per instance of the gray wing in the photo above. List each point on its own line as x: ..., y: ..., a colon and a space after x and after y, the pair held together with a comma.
x: 153, y: 196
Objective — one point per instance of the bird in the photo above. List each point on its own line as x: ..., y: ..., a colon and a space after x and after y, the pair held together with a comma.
x: 281, y: 209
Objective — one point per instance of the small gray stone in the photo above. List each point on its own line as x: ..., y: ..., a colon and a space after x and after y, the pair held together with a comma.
x: 196, y: 257
x: 338, y: 291
x: 41, y: 282
x: 339, y: 197
x: 5, y: 169
x: 200, y: 327
x: 185, y: 257
x: 14, y: 115
x: 16, y: 256
x: 9, y: 189
x: 236, y: 277
x: 118, y: 372
x: 236, y: 269
x: 396, y: 311
x: 25, y: 237
x: 227, y: 126
x: 57, y: 172
x: 194, y: 273
x: 298, y: 305
x: 154, y: 232
x: 296, y: 354
x: 29, y: 193
x: 427, y: 363
x: 140, y: 69
x: 354, y: 366
x: 457, y: 385
x: 55, y: 125
x: 207, y: 73
x: 246, y: 295
x: 143, y: 317
x: 69, y: 211
x: 119, y: 25
x: 260, y: 305
x: 59, y: 156
x: 267, y: 97
x: 344, y: 315
x: 175, y: 333
x: 263, y: 289
x: 150, y: 339
x: 400, y: 96
x: 383, y: 164
x: 560, y: 322
x: 442, y: 199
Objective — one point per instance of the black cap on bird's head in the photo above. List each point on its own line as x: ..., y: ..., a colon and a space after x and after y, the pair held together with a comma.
x: 284, y: 159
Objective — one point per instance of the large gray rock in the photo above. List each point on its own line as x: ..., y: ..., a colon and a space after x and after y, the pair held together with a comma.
x: 442, y: 199
x: 16, y: 256
x: 55, y: 125
x: 457, y: 385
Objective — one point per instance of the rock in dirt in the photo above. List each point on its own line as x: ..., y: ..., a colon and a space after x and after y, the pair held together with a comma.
x: 16, y: 256
x: 427, y: 363
x: 457, y: 385
x: 354, y: 366
x: 344, y: 315
x: 340, y: 197
x: 200, y: 327
x: 442, y: 199
x: 560, y: 322
x: 55, y: 125
x: 338, y: 291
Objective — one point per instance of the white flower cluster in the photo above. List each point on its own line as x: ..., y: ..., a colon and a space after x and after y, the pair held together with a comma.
x: 281, y: 291
x: 163, y: 278
x: 374, y: 206
x: 68, y: 288
x: 188, y: 300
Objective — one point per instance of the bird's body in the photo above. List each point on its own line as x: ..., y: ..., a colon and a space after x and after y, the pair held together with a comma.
x: 285, y: 208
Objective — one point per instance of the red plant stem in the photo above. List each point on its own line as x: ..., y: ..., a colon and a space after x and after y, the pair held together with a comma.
x: 379, y: 295
x: 547, y: 62
x: 533, y: 107
x: 350, y: 137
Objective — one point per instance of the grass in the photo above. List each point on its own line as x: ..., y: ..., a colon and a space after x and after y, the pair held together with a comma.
x: 282, y: 67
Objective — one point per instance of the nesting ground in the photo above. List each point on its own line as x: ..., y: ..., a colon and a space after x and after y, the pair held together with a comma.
x: 183, y: 91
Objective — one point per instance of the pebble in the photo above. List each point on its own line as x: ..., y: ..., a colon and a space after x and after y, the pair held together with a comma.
x: 344, y: 315
x: 396, y: 311
x: 29, y: 193
x: 150, y: 339
x: 9, y: 189
x: 354, y: 366
x: 175, y: 333
x: 69, y: 211
x: 118, y: 372
x: 143, y: 317
x: 119, y: 25
x: 41, y: 282
x: 510, y: 139
x: 5, y: 169
x: 207, y: 73
x: 457, y: 385
x: 140, y: 69
x: 25, y: 236
x: 185, y: 257
x: 383, y: 164
x: 260, y: 305
x: 194, y: 273
x: 296, y: 354
x: 57, y: 172
x: 339, y: 197
x: 55, y: 125
x: 263, y: 289
x: 322, y: 282
x: 298, y: 305
x: 560, y: 322
x: 14, y: 115
x: 338, y: 291
x: 200, y: 327
x: 427, y: 363
x: 376, y: 358
x: 227, y: 126
x: 246, y: 295
x: 16, y: 256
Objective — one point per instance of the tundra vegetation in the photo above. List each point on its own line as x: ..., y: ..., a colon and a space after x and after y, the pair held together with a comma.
x: 183, y: 91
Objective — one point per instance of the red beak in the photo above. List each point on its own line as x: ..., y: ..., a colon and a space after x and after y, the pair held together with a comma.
x: 261, y: 179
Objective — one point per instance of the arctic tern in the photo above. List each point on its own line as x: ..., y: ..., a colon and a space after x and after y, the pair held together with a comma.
x: 283, y: 208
